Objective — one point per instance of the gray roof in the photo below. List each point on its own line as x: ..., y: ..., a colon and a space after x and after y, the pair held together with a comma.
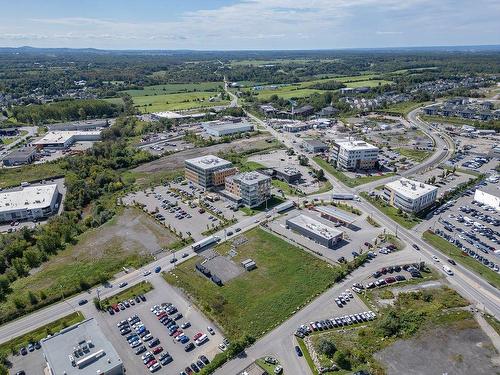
x: 338, y: 214
x: 21, y: 153
x: 314, y: 143
x: 86, y: 344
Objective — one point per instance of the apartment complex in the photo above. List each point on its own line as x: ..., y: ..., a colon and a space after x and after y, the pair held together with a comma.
x: 352, y: 155
x: 209, y: 171
x: 250, y: 188
x: 410, y: 196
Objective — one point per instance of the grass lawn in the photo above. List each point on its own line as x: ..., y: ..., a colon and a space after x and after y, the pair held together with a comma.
x: 248, y: 166
x: 405, y: 220
x: 50, y: 328
x: 415, y: 155
x: 287, y: 188
x: 266, y: 366
x: 271, y: 202
x: 456, y: 254
x: 351, y: 182
x: 14, y: 176
x: 174, y: 88
x: 142, y: 288
x: 286, y: 279
x: 403, y: 108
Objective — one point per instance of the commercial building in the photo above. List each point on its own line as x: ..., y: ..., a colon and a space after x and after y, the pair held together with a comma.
x: 25, y: 155
x: 223, y: 128
x: 287, y: 174
x: 335, y: 215
x: 28, y: 203
x: 410, y: 196
x: 314, y: 146
x: 315, y: 230
x: 81, y: 349
x: 79, y: 125
x: 295, y: 127
x: 251, y: 188
x: 489, y: 196
x: 352, y: 155
x: 208, y: 171
x: 303, y: 111
x: 65, y: 138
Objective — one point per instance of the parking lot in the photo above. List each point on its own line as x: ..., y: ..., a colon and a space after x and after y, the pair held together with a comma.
x: 142, y: 316
x: 355, y: 235
x: 184, y: 208
x: 471, y: 225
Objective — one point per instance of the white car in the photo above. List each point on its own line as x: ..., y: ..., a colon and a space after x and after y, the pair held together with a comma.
x: 154, y: 367
x: 211, y: 330
x: 435, y: 258
x: 147, y: 273
x: 222, y: 347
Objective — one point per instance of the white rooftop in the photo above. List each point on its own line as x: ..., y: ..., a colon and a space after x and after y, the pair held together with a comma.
x: 411, y: 189
x: 315, y: 227
x: 208, y: 162
x: 357, y: 145
x: 61, y: 136
x: 250, y: 178
x: 30, y: 197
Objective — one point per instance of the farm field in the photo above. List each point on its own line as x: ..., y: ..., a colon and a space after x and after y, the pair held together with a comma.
x: 285, y: 279
x: 178, y: 101
x: 175, y: 88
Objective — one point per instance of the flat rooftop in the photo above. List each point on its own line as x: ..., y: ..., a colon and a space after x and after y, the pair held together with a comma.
x: 21, y: 152
x: 314, y: 143
x: 29, y: 197
x: 99, y: 123
x: 357, y: 145
x: 227, y: 125
x: 289, y: 171
x: 209, y: 162
x: 62, y: 136
x: 315, y: 227
x: 410, y: 188
x: 250, y: 178
x: 338, y: 214
x: 80, y: 349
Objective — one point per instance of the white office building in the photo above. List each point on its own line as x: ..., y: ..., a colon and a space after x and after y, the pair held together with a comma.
x: 251, y: 188
x: 28, y: 203
x: 315, y: 230
x: 352, y: 155
x: 410, y: 196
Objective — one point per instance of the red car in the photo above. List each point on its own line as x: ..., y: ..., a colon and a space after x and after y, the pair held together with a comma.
x: 390, y: 280
x: 157, y: 350
x: 197, y: 336
x: 151, y: 363
x: 116, y: 308
x: 162, y: 314
x: 177, y: 333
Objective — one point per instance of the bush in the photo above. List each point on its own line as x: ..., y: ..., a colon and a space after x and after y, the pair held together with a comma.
x: 342, y: 360
x: 327, y: 347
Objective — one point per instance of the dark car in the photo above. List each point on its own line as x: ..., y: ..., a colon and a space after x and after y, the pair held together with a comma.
x: 189, y: 347
x: 158, y: 269
x: 204, y: 359
x: 415, y: 246
x: 142, y: 297
x: 194, y: 367
x: 298, y: 351
x: 82, y: 302
x: 451, y: 261
x: 24, y: 351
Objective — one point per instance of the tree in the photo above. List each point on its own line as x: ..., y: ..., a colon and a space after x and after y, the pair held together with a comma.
x: 342, y: 360
x: 327, y: 347
x: 33, y: 298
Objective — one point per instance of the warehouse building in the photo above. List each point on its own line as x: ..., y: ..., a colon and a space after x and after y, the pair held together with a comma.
x: 335, y: 215
x: 66, y: 138
x: 28, y: 203
x: 315, y: 230
x: 314, y: 146
x: 208, y: 171
x: 353, y: 155
x: 79, y: 125
x: 81, y: 349
x: 22, y: 156
x: 288, y: 174
x: 490, y: 196
x: 251, y: 188
x: 410, y: 196
x: 223, y: 128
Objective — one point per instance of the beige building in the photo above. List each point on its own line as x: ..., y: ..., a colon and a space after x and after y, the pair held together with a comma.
x: 209, y: 171
x: 251, y: 188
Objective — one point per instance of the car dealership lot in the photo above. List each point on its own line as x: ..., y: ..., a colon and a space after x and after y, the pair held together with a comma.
x: 162, y: 293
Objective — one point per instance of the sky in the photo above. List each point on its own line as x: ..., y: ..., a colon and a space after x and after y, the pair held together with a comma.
x: 248, y: 24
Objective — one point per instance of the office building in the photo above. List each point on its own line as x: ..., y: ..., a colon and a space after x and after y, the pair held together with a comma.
x: 288, y: 174
x: 223, y: 128
x: 314, y: 146
x: 353, y: 155
x: 251, y: 188
x: 81, y: 349
x: 29, y: 202
x: 315, y: 230
x: 65, y: 138
x: 410, y: 196
x: 25, y: 155
x: 208, y: 171
x: 295, y: 127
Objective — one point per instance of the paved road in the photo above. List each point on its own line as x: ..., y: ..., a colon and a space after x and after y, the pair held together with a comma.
x: 31, y: 131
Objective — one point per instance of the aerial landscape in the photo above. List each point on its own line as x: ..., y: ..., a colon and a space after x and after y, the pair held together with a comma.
x: 250, y: 187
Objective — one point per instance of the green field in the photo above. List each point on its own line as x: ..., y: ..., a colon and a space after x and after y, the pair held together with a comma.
x: 286, y: 92
x: 415, y: 155
x: 405, y: 220
x: 28, y: 173
x: 402, y: 108
x: 455, y: 253
x: 494, y: 124
x: 351, y: 182
x: 142, y: 288
x: 36, y: 335
x: 286, y: 279
x: 175, y: 88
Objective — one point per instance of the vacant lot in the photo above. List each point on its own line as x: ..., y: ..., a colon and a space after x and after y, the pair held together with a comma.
x: 174, y: 88
x: 286, y: 278
x: 415, y: 155
x: 126, y: 240
x: 176, y: 161
x: 10, y: 177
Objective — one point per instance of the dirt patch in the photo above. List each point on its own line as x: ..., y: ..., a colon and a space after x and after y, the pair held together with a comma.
x: 442, y: 350
x: 176, y: 161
